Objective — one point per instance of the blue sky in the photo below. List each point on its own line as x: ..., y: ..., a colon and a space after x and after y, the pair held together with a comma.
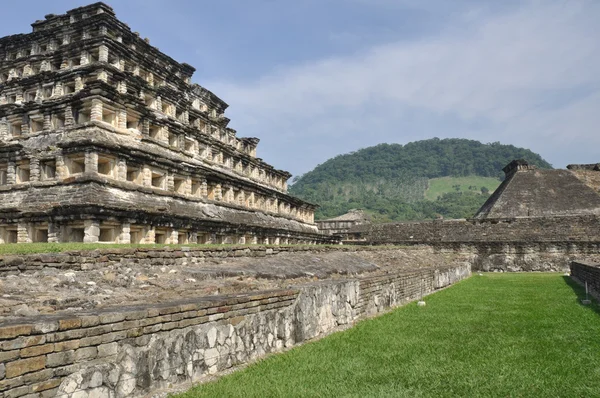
x: 317, y: 78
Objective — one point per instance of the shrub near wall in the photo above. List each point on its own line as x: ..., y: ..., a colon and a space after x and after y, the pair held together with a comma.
x: 130, y: 351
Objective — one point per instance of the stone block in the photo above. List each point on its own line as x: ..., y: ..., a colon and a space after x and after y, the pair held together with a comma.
x: 22, y: 366
x: 86, y: 353
x: 10, y: 332
x: 98, y: 330
x: 71, y: 323
x: 114, y: 336
x: 168, y: 310
x: 152, y: 329
x: 37, y: 350
x: 105, y: 350
x: 188, y: 307
x: 66, y: 345
x: 89, y: 321
x: 135, y: 332
x: 35, y: 377
x: 22, y: 342
x: 6, y: 356
x: 189, y: 314
x: 17, y: 392
x: 52, y: 393
x: 127, y: 325
x: 136, y: 315
x: 46, y: 385
x: 90, y: 341
x: 60, y: 358
x: 111, y: 318
x: 169, y: 325
x: 66, y: 335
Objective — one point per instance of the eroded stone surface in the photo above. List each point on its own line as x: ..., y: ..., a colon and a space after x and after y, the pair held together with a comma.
x: 192, y: 354
x: 149, y: 279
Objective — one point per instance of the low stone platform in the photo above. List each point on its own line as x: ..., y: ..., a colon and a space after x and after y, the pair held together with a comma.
x: 150, y: 326
x: 75, y: 281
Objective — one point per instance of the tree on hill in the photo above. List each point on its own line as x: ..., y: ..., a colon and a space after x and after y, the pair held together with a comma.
x: 390, y: 180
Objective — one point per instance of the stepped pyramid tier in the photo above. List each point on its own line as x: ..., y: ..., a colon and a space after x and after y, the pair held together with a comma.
x: 103, y: 138
x: 530, y: 192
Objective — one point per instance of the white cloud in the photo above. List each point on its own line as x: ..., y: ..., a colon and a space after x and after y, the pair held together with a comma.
x: 529, y: 77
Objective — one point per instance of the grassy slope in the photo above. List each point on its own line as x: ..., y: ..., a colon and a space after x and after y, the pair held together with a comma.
x: 442, y: 185
x: 496, y: 335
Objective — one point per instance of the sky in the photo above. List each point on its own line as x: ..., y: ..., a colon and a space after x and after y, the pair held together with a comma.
x: 317, y: 78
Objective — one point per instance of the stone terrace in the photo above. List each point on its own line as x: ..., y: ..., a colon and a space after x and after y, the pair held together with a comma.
x: 76, y: 281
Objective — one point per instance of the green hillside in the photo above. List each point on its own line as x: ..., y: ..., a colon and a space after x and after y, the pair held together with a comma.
x: 393, y: 182
x: 474, y: 184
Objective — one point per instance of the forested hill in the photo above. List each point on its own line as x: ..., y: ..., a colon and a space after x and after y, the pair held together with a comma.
x: 390, y: 180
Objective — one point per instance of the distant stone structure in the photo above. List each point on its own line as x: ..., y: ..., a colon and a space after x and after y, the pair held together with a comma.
x: 589, y: 174
x: 103, y: 138
x: 341, y: 225
x: 536, y: 220
x: 530, y: 192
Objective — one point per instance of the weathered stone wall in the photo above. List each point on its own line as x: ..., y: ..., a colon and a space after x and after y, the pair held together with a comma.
x: 483, y: 256
x: 127, y: 352
x: 523, y: 256
x: 164, y: 256
x: 582, y: 272
x: 520, y: 244
x: 542, y: 229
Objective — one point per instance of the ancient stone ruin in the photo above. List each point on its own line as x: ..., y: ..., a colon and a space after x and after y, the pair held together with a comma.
x: 341, y: 224
x: 103, y: 138
x: 530, y: 192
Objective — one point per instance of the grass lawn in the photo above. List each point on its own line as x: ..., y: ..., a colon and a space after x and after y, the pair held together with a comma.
x: 496, y: 335
x: 440, y: 186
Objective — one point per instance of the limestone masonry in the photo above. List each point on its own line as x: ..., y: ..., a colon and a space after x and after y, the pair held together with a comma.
x: 529, y: 192
x: 132, y: 350
x: 103, y: 138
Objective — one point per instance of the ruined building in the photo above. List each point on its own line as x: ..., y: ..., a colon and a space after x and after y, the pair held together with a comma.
x: 103, y: 138
x: 342, y: 224
x: 530, y: 192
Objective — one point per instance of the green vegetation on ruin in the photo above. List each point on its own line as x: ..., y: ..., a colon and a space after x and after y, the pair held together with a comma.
x: 396, y: 182
x: 496, y: 335
x: 32, y: 248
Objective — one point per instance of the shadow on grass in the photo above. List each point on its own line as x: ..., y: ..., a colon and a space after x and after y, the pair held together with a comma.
x: 580, y: 292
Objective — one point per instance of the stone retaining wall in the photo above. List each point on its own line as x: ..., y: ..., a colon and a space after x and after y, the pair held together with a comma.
x: 583, y: 272
x: 485, y: 256
x: 167, y: 256
x: 516, y: 244
x: 523, y: 256
x: 540, y: 229
x: 129, y: 351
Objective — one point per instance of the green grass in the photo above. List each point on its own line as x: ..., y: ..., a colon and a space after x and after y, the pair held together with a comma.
x: 440, y: 186
x: 496, y: 335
